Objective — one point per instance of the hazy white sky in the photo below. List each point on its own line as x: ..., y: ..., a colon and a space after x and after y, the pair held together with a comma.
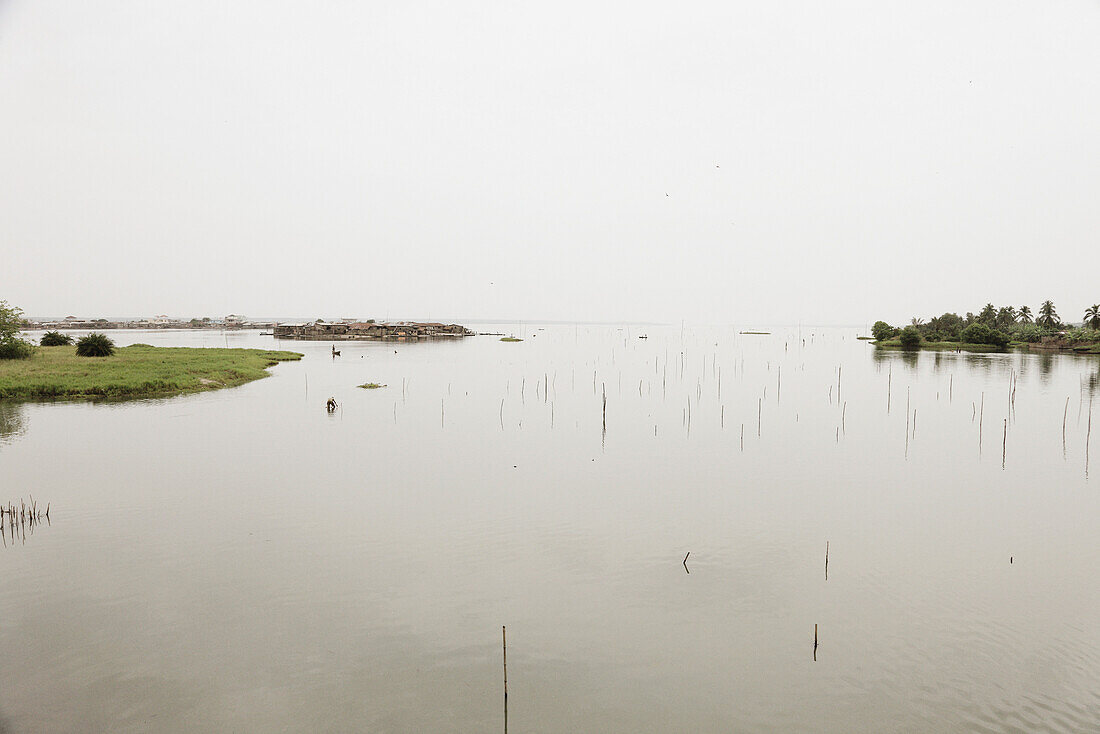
x: 829, y: 162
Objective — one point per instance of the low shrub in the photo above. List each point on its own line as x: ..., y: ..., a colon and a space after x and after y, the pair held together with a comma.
x: 55, y: 339
x: 95, y: 345
x: 15, y: 349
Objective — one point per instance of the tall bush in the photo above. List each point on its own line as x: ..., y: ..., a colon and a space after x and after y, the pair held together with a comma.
x: 882, y: 331
x: 11, y: 323
x: 910, y: 337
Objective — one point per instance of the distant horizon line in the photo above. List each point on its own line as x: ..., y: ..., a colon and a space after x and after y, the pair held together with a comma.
x: 602, y: 322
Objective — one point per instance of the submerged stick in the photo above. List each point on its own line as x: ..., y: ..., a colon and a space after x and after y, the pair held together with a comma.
x: 815, y: 642
x: 826, y: 560
x: 1004, y: 444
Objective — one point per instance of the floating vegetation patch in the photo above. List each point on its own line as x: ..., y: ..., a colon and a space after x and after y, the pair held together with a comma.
x: 510, y: 339
x: 371, y: 386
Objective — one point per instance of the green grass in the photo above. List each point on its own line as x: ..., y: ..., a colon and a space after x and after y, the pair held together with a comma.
x: 510, y: 339
x: 895, y: 343
x: 371, y: 386
x: 137, y: 371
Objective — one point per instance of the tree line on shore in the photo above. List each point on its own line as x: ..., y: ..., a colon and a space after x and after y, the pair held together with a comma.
x: 993, y: 326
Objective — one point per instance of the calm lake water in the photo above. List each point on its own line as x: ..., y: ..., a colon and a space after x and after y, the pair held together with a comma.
x: 241, y: 560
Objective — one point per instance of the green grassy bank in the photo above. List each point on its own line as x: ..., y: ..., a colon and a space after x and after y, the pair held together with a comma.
x: 895, y: 343
x: 138, y: 371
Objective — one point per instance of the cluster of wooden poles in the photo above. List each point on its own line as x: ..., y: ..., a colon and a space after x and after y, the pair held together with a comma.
x: 18, y: 518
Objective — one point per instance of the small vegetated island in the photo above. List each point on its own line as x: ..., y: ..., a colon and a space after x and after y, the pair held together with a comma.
x: 995, y: 328
x: 95, y: 368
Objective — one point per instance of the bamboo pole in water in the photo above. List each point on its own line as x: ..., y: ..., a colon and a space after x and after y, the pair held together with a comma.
x: 889, y: 385
x: 826, y: 560
x: 504, y: 647
x: 1064, y: 414
x: 1004, y: 444
x: 605, y: 407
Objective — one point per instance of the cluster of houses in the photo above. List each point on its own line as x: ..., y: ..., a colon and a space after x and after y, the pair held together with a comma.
x: 348, y: 329
x: 319, y: 329
x: 232, y: 321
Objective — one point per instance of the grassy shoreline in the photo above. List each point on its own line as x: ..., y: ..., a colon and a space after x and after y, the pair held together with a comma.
x: 138, y: 371
x: 895, y: 343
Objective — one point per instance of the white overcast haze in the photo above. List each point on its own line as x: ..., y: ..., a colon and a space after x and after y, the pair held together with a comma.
x: 718, y: 162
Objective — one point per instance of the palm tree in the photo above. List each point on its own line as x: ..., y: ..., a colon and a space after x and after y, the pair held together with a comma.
x: 1092, y: 317
x: 1006, y: 316
x: 1048, y: 317
x: 1025, y: 314
x: 988, y: 314
x: 916, y: 322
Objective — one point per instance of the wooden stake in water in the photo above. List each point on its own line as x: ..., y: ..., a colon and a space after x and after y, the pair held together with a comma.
x: 889, y: 385
x: 605, y: 407
x: 815, y: 642
x: 1064, y: 414
x: 826, y: 560
x: 504, y: 646
x: 1004, y: 444
x: 759, y: 414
